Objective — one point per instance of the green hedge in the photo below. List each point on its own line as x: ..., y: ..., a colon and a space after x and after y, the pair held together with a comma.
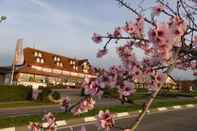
x: 56, y: 95
x: 174, y: 93
x: 43, y: 95
x: 15, y: 93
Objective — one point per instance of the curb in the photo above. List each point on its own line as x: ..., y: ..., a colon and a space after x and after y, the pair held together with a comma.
x: 76, y: 121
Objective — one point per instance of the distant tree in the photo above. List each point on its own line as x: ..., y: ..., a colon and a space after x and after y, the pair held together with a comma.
x: 2, y: 18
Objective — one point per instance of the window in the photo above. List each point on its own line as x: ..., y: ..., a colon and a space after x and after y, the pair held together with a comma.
x: 39, y: 54
x: 75, y: 68
x: 72, y: 62
x: 85, y: 67
x: 42, y: 61
x: 60, y: 64
x: 35, y: 54
x: 57, y: 59
x: 38, y: 60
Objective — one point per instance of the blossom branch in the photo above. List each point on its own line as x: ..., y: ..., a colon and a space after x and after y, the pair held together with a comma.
x: 134, y: 11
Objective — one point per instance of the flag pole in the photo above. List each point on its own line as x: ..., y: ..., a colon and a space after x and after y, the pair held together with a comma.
x: 13, y: 69
x: 17, y: 58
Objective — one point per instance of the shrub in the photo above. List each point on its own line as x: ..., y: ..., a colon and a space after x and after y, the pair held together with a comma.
x: 43, y: 95
x: 82, y: 92
x: 175, y: 93
x: 56, y: 95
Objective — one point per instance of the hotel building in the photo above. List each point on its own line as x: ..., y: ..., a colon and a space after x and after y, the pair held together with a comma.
x: 41, y: 68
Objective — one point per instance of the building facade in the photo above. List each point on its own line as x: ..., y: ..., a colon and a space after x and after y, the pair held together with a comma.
x: 41, y: 68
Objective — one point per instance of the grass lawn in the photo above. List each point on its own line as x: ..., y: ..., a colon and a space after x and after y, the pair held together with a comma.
x: 19, y: 104
x: 19, y: 121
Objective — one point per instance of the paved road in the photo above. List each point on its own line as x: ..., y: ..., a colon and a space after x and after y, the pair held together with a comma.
x: 180, y: 120
x: 74, y: 94
x: 40, y: 110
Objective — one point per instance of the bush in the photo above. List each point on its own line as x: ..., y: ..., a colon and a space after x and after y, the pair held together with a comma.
x: 43, y: 95
x: 174, y: 93
x: 15, y: 93
x: 142, y: 90
x: 56, y: 95
x: 82, y: 92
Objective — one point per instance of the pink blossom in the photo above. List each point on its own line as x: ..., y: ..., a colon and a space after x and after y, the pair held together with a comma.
x: 35, y: 94
x: 50, y: 120
x: 117, y: 32
x: 126, y: 54
x: 160, y: 34
x: 140, y: 26
x: 84, y: 106
x: 195, y: 40
x: 127, y: 89
x: 162, y: 40
x: 97, y: 38
x: 66, y: 103
x: 158, y: 78
x: 157, y: 9
x: 33, y: 126
x: 165, y: 54
x: 92, y: 87
x: 195, y: 73
x: 136, y: 72
x: 130, y: 28
x: 83, y: 128
x: 105, y: 120
x: 178, y: 27
x: 136, y: 28
x: 194, y: 64
x: 101, y: 53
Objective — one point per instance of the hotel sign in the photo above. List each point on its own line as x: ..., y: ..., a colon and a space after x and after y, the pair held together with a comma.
x: 62, y: 72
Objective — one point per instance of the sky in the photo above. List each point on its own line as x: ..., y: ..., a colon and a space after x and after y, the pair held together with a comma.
x: 63, y: 27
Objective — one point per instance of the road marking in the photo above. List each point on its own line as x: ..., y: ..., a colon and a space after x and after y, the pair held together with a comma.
x: 61, y: 123
x: 92, y: 119
x: 162, y: 109
x: 88, y: 119
x: 8, y: 129
x: 190, y: 105
x: 122, y: 114
x: 177, y: 107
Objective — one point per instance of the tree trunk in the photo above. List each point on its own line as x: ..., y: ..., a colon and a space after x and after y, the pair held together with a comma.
x: 148, y: 103
x: 146, y: 107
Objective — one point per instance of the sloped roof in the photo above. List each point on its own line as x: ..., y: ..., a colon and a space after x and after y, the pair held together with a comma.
x: 30, y: 59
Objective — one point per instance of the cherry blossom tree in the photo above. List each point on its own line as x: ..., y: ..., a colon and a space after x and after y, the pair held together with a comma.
x: 168, y: 44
